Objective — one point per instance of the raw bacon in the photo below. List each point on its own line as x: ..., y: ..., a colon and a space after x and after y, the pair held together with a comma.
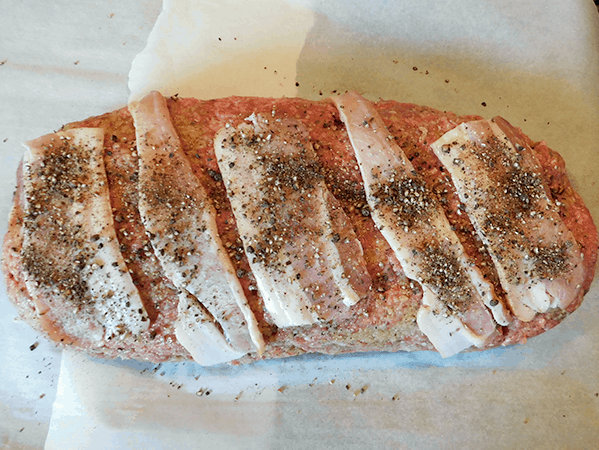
x: 294, y: 241
x: 499, y: 180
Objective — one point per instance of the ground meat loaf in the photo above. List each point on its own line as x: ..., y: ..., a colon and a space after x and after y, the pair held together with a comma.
x: 385, y: 320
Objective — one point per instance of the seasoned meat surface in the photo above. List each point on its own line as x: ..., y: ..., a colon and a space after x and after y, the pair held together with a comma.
x: 384, y: 319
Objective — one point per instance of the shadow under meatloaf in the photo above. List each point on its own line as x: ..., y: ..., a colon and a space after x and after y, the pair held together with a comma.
x: 383, y: 321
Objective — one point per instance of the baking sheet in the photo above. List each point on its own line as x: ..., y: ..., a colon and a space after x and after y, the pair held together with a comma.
x: 535, y: 64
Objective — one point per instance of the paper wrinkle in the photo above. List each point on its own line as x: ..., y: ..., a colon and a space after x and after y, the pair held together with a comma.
x: 501, y: 30
x: 266, y: 405
x: 217, y: 49
x: 193, y: 41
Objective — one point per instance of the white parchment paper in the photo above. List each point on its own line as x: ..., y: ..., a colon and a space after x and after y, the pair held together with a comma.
x: 533, y: 63
x: 60, y: 61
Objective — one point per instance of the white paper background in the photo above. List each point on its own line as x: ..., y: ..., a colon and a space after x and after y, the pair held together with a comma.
x: 41, y: 88
x: 534, y: 63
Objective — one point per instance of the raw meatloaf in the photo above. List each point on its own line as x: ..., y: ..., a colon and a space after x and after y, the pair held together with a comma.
x: 384, y: 315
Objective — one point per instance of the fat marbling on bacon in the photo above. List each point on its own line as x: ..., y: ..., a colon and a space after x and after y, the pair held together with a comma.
x: 302, y: 249
x: 72, y: 263
x: 215, y: 323
x: 499, y: 180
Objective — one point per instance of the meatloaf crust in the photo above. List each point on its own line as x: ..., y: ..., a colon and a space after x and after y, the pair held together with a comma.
x: 383, y: 321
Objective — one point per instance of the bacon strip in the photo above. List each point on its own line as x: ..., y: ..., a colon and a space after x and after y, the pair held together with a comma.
x: 499, y: 180
x: 453, y: 314
x: 71, y: 256
x: 302, y: 249
x: 181, y: 222
x: 200, y: 334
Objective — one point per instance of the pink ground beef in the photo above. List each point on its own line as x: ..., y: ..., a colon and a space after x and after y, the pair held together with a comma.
x: 383, y: 321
